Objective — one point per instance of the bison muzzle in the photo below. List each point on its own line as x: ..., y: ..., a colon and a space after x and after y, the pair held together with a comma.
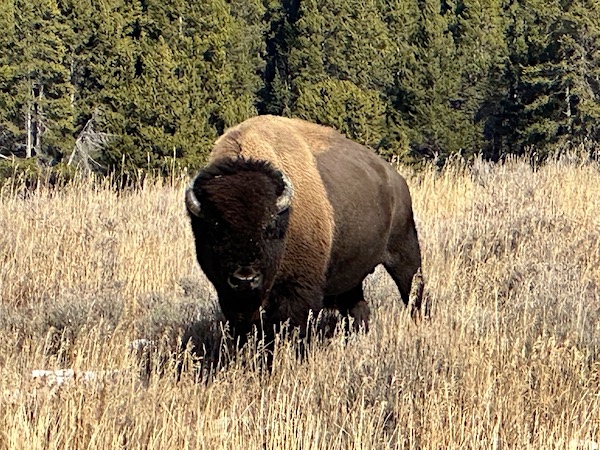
x: 290, y: 217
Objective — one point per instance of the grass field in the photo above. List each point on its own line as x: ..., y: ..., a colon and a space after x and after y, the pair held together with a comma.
x: 509, y: 359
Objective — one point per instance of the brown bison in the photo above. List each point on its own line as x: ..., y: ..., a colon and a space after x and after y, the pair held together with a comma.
x: 290, y: 217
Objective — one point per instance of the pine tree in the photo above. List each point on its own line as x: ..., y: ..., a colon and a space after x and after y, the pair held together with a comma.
x: 427, y: 79
x: 560, y: 80
x: 478, y: 29
x: 338, y: 59
x: 9, y: 130
x: 344, y: 40
x: 106, y: 64
x: 237, y: 67
x: 178, y: 74
x: 37, y: 77
x: 549, y: 91
x: 358, y: 113
x: 580, y: 39
x: 280, y: 34
x: 539, y: 84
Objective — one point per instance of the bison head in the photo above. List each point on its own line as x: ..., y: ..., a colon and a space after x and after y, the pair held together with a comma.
x: 239, y: 211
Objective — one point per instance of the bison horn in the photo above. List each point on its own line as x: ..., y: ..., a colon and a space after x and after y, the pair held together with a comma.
x: 285, y: 199
x: 192, y: 203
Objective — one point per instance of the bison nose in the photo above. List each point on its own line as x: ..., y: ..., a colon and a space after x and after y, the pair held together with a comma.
x: 245, y: 278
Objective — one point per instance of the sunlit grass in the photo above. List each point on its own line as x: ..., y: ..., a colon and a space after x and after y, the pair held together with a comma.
x: 509, y: 359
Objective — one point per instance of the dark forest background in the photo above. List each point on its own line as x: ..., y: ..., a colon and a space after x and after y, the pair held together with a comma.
x: 151, y: 83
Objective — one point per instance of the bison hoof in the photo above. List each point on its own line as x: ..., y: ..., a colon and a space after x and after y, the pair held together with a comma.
x: 416, y: 307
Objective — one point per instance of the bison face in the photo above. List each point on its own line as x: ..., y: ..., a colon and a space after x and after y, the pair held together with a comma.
x: 239, y: 216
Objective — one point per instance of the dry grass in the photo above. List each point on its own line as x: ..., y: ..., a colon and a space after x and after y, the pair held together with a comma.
x: 510, y: 358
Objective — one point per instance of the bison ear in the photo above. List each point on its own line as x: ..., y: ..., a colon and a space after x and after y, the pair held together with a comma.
x: 285, y: 199
x: 192, y: 202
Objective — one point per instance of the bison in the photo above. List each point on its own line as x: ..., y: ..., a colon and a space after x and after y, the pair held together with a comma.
x: 289, y: 217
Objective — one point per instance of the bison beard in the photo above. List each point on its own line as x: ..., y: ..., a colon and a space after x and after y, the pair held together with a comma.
x: 283, y: 229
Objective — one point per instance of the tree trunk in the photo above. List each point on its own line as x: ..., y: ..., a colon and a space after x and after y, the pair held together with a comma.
x: 29, y: 132
x: 39, y: 121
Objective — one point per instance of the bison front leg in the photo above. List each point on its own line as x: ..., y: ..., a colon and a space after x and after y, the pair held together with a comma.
x: 352, y: 304
x: 361, y: 313
x: 295, y: 304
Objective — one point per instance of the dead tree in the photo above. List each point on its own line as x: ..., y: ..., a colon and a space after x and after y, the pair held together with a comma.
x: 89, y: 143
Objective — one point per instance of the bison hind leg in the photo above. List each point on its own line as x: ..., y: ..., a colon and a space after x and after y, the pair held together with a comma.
x: 403, y: 264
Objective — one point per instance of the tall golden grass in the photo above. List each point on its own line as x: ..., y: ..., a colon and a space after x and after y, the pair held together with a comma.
x: 509, y: 359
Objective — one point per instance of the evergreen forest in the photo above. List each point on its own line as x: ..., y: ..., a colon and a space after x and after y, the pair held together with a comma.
x: 151, y: 83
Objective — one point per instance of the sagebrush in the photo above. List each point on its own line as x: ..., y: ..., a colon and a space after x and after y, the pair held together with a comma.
x: 510, y: 357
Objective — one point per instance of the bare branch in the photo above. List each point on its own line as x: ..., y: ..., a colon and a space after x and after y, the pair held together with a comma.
x: 89, y: 142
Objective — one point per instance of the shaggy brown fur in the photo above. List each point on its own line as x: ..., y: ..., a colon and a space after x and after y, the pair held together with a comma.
x: 350, y: 211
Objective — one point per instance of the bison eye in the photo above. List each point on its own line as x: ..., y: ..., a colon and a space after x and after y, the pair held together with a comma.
x: 273, y: 229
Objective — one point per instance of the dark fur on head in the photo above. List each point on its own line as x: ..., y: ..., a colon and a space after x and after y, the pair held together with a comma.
x: 237, y: 188
x: 240, y: 227
x: 232, y: 166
